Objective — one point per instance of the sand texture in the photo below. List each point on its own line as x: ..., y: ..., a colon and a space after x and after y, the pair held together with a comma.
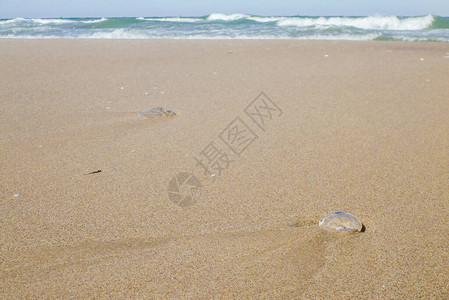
x: 360, y: 127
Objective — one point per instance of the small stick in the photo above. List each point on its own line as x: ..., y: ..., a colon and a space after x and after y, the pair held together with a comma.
x: 94, y: 172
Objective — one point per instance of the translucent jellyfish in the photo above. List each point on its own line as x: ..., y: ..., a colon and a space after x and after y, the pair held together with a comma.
x: 157, y: 112
x: 341, y: 221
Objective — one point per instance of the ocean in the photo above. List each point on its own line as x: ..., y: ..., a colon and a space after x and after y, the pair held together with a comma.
x: 429, y: 28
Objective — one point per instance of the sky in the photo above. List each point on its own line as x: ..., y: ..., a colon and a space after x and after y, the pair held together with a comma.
x: 148, y: 8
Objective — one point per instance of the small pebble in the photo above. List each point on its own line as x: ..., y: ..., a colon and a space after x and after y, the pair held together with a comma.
x: 341, y: 221
x: 122, y: 88
x: 421, y: 59
x: 16, y: 195
x: 325, y: 55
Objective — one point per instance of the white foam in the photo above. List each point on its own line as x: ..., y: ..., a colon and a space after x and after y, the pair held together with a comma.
x: 404, y: 38
x: 16, y: 20
x: 172, y: 19
x: 372, y: 22
x: 343, y: 37
x: 265, y: 19
x: 119, y: 33
x: 51, y: 21
x: 122, y: 34
x: 30, y: 36
x: 223, y: 17
x: 94, y: 21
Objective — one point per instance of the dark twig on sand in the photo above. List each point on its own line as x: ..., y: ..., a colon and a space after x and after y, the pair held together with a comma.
x: 94, y: 172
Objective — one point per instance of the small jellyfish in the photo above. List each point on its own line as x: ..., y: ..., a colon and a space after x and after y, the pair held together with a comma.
x: 157, y: 112
x: 341, y: 221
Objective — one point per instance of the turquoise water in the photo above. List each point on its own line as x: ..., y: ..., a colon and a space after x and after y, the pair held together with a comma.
x: 234, y: 26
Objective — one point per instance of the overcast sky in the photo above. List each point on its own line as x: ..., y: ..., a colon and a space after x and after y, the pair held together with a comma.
x: 147, y: 8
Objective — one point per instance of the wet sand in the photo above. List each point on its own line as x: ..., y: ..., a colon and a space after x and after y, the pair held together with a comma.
x: 359, y: 127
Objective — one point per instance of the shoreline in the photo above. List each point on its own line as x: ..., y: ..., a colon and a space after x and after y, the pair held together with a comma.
x: 221, y: 39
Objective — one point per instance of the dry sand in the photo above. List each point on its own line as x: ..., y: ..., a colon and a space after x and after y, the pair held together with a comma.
x: 364, y: 129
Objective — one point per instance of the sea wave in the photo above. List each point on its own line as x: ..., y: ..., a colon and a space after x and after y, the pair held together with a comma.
x: 265, y: 19
x: 223, y: 17
x: 172, y: 19
x: 233, y: 26
x: 371, y: 22
x: 136, y: 34
x: 116, y: 34
x: 94, y: 20
x: 18, y: 21
x: 50, y: 21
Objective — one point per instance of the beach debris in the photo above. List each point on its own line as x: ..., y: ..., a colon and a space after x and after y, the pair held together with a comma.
x: 108, y: 107
x: 326, y: 55
x: 157, y: 112
x: 16, y: 195
x: 341, y: 221
x: 94, y: 172
x: 122, y: 88
x: 421, y: 59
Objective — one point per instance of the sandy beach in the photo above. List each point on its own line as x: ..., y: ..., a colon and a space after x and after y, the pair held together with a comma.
x: 360, y: 127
